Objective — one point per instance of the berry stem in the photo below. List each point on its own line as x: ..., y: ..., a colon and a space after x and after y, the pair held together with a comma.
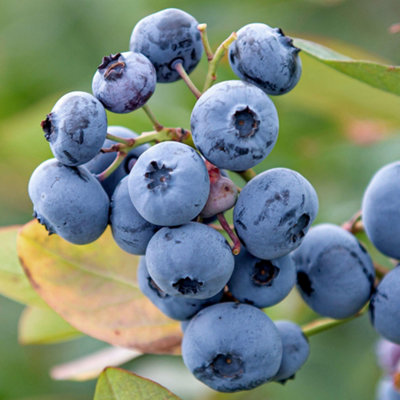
x: 112, y: 167
x: 380, y: 270
x: 206, y: 44
x: 156, y: 125
x: 185, y: 77
x: 213, y: 63
x: 127, y: 142
x: 324, y: 324
x: 247, y: 175
x: 236, y: 242
x: 354, y: 224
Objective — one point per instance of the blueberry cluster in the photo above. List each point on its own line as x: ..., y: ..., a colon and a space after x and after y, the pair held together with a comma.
x: 161, y: 200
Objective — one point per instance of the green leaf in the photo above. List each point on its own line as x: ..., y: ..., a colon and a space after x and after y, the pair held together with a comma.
x: 118, y: 384
x: 94, y: 288
x: 44, y: 326
x: 380, y: 76
x: 13, y: 281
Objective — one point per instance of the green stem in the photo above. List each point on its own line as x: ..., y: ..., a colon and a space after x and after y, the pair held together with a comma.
x: 324, y: 324
x: 156, y: 125
x: 112, y: 167
x: 247, y: 175
x: 206, y: 44
x: 118, y: 139
x: 185, y: 77
x: 213, y: 64
x: 123, y: 147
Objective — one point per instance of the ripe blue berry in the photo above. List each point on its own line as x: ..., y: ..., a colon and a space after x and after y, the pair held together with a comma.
x: 265, y: 57
x: 335, y: 274
x: 234, y: 125
x: 384, y: 306
x: 76, y: 128
x: 380, y: 210
x: 295, y: 350
x: 102, y: 161
x: 261, y: 283
x: 130, y: 230
x: 124, y: 82
x: 169, y: 184
x: 232, y: 347
x: 175, y: 307
x: 274, y: 212
x: 69, y: 201
x: 191, y: 260
x: 168, y: 37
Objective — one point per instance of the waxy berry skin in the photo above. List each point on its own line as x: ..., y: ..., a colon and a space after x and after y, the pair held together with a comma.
x: 232, y: 347
x: 384, y: 306
x: 175, y: 307
x: 191, y: 260
x: 296, y: 350
x: 169, y: 184
x: 380, y: 210
x: 76, y: 128
x: 130, y: 230
x: 124, y: 82
x: 166, y: 38
x: 265, y: 57
x: 234, y: 125
x: 261, y: 283
x: 69, y: 201
x: 274, y: 212
x: 335, y: 274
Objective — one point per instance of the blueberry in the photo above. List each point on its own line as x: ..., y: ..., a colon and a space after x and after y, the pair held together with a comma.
x: 169, y: 184
x: 191, y: 260
x: 335, y: 274
x: 130, y: 230
x: 103, y: 160
x: 76, y: 128
x: 295, y: 350
x: 380, y: 210
x: 274, y: 212
x: 69, y: 201
x: 234, y: 125
x: 232, y: 347
x: 124, y: 82
x: 261, y: 283
x: 384, y: 306
x: 266, y: 58
x: 175, y: 307
x: 168, y: 37
x: 386, y: 390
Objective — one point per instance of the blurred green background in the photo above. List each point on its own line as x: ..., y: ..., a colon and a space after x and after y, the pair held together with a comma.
x: 334, y: 130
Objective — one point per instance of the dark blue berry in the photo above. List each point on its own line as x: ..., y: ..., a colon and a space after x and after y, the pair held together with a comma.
x: 69, y: 201
x: 234, y: 125
x: 76, y: 128
x: 124, y: 81
x: 169, y: 184
x: 191, y: 260
x: 232, y: 347
x: 175, y: 307
x: 168, y: 37
x: 274, y: 212
x: 265, y: 57
x: 335, y: 274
